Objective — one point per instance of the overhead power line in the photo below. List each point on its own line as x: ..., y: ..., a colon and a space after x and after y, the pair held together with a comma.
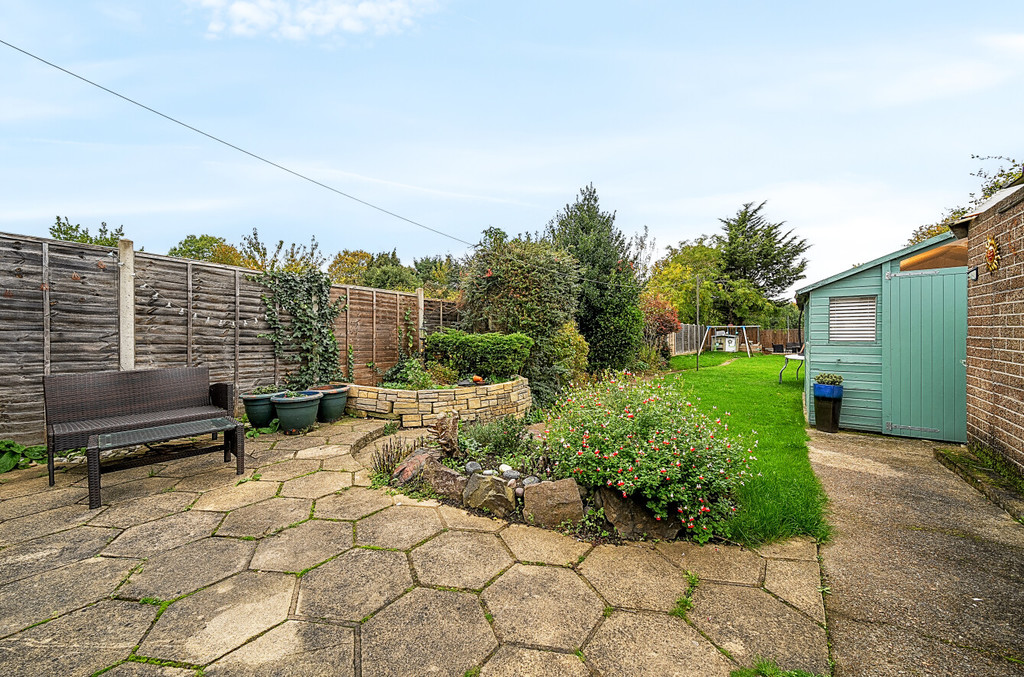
x: 263, y: 159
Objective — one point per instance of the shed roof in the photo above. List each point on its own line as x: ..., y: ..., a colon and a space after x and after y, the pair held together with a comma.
x: 801, y: 294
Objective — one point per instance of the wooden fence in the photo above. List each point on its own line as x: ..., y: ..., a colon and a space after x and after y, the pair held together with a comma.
x: 686, y: 339
x: 67, y: 307
x: 770, y: 337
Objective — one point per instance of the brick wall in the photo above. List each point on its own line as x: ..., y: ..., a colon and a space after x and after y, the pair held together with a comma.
x: 995, y: 332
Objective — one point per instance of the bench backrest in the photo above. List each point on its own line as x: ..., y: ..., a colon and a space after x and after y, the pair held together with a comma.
x: 82, y: 397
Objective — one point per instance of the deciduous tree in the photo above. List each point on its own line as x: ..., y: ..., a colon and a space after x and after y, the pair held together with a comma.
x: 63, y: 230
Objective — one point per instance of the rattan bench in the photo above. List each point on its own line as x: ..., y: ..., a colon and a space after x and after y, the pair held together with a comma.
x: 110, y: 410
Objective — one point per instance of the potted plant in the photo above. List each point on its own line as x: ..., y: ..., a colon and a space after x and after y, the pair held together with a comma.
x: 296, y: 409
x: 828, y: 400
x: 332, y: 404
x: 258, y: 407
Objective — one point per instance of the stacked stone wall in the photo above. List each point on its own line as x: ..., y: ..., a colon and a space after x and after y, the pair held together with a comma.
x: 415, y: 408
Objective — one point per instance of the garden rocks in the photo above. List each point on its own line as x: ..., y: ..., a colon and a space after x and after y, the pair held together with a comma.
x: 443, y: 480
x: 631, y: 520
x: 473, y: 467
x: 532, y: 479
x: 511, y: 474
x: 489, y: 493
x: 552, y: 503
x: 411, y: 467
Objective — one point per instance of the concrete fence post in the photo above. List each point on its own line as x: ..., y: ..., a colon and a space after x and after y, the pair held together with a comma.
x: 126, y: 305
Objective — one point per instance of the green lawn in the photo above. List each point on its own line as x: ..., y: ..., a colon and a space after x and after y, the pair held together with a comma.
x: 787, y: 499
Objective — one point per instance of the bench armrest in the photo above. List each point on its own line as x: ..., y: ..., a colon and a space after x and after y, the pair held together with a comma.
x: 223, y: 395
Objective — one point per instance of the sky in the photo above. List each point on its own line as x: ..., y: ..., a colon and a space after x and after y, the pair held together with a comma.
x: 856, y: 122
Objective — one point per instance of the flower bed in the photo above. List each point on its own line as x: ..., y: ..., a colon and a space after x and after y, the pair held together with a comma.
x: 415, y: 408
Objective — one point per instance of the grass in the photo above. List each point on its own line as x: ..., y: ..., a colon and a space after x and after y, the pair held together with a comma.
x: 766, y: 668
x: 786, y: 499
x: 687, y: 362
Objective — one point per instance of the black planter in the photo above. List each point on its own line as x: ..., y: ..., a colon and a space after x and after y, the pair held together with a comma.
x: 828, y: 401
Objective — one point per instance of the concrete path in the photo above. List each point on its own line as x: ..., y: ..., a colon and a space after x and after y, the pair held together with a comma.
x: 301, y: 569
x: 926, y: 576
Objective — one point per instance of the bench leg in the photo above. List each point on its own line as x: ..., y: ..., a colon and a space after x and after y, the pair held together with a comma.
x: 92, y: 456
x: 49, y: 462
x: 238, y: 445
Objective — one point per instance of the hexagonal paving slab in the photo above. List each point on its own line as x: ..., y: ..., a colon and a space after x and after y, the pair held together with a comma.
x: 131, y: 513
x: 176, y: 572
x: 749, y: 622
x: 797, y: 582
x: 43, y: 500
x: 514, y: 661
x: 354, y: 585
x: 80, y: 643
x: 651, y: 644
x: 323, y: 451
x: 533, y: 544
x: 399, y: 527
x: 45, y: 522
x: 50, y: 552
x: 260, y: 519
x: 164, y: 534
x: 303, y: 546
x: 222, y: 477
x: 542, y: 606
x: 457, y: 518
x: 352, y: 504
x: 126, y: 491
x: 55, y: 592
x: 286, y: 470
x: 133, y: 669
x: 236, y: 496
x: 316, y: 485
x: 292, y: 648
x: 801, y: 547
x: 427, y: 632
x: 634, y: 577
x: 712, y: 562
x: 206, y: 625
x: 297, y: 442
x: 344, y: 462
x: 460, y: 559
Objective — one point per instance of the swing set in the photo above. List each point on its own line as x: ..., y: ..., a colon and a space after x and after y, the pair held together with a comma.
x: 727, y: 337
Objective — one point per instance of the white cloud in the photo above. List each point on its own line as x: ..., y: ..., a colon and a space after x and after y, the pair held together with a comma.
x: 300, y: 19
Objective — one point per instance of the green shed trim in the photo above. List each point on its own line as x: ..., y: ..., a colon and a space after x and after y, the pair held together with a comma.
x: 801, y: 294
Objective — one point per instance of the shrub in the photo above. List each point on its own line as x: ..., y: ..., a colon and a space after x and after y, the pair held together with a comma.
x: 502, y: 438
x: 441, y: 374
x: 408, y: 373
x: 617, y: 337
x: 649, y: 359
x: 491, y: 354
x: 14, y: 455
x: 572, y: 350
x: 643, y: 439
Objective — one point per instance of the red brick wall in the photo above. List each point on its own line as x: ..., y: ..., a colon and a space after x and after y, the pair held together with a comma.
x: 995, y: 332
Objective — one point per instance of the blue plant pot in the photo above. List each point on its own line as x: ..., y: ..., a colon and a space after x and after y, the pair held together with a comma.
x: 828, y: 392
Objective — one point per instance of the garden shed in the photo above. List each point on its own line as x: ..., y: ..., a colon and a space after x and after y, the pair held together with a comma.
x: 896, y: 330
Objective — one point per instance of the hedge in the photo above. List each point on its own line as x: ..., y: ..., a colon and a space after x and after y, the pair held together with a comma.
x: 493, y: 354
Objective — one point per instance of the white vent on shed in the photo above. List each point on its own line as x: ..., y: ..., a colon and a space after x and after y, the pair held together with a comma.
x: 852, y: 318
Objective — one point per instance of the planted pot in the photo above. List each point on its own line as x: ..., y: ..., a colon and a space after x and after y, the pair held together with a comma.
x: 332, y: 404
x: 296, y: 410
x: 828, y: 401
x: 258, y: 408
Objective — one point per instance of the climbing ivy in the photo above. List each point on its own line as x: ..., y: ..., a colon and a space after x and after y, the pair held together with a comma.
x: 308, y: 336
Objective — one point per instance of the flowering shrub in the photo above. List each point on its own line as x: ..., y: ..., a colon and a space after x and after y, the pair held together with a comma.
x: 645, y: 440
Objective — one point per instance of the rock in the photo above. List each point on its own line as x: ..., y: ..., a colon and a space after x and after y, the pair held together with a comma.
x: 504, y: 467
x: 632, y: 520
x: 409, y: 469
x: 444, y: 480
x: 473, y: 467
x: 511, y: 474
x: 511, y: 483
x: 532, y: 479
x: 489, y: 472
x: 489, y: 493
x: 519, y: 492
x: 552, y: 503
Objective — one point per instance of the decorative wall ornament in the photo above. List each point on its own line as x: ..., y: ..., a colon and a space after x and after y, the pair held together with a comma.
x: 992, y: 257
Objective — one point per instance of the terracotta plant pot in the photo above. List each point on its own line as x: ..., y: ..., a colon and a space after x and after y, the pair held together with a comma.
x: 297, y: 413
x: 332, y: 404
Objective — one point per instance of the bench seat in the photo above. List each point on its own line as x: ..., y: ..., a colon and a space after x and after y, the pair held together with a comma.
x: 75, y: 434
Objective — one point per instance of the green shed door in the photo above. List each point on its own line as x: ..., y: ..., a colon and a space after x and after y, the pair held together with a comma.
x: 924, y: 353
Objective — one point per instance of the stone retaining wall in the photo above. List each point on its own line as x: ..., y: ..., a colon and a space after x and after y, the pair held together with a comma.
x: 414, y: 408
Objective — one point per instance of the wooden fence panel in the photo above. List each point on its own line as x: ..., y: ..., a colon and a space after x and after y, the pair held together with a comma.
x: 21, y: 341
x: 59, y: 312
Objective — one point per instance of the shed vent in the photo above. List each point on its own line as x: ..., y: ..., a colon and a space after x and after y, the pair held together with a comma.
x: 852, y: 318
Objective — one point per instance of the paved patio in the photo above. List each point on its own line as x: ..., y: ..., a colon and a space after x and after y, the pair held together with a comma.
x: 303, y: 570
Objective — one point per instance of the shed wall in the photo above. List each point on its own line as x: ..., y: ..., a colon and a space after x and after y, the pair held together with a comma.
x: 860, y: 363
